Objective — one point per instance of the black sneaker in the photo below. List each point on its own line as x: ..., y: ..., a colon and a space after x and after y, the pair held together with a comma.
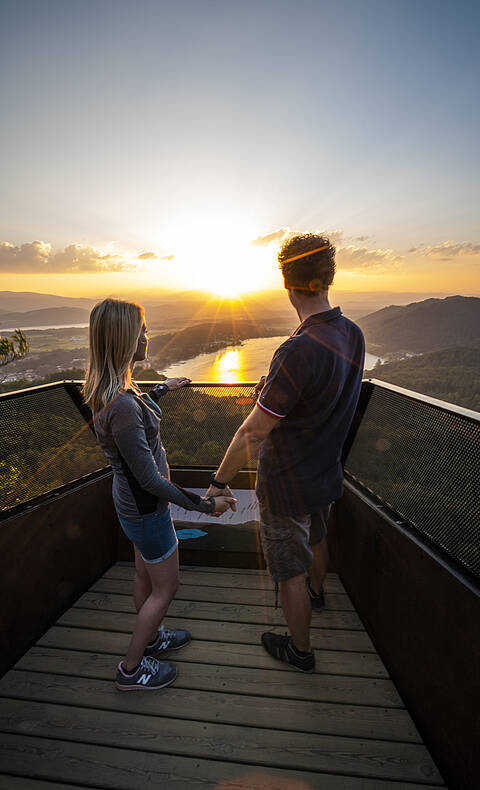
x: 150, y: 675
x: 283, y: 649
x: 316, y: 599
x: 168, y: 639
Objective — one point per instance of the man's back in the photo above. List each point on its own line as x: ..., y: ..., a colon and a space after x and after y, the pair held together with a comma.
x: 313, y: 385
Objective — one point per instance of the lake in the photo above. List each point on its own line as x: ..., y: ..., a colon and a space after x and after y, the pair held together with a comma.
x: 45, y: 328
x: 236, y: 363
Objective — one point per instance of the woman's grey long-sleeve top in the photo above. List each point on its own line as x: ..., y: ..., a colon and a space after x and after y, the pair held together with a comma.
x: 128, y: 430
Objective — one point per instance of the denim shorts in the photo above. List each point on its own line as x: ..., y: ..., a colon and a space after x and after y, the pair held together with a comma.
x: 287, y: 540
x: 153, y: 535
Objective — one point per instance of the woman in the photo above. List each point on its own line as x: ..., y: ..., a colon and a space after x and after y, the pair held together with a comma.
x: 127, y: 427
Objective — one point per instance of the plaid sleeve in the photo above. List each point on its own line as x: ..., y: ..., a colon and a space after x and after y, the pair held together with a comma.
x: 287, y: 378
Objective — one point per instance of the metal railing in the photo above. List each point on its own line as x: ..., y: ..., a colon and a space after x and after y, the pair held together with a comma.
x: 45, y: 444
x: 419, y: 456
x: 415, y: 455
x: 47, y: 441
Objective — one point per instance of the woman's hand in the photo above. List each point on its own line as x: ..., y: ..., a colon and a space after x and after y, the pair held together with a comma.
x: 222, y: 503
x: 225, y: 492
x: 175, y: 384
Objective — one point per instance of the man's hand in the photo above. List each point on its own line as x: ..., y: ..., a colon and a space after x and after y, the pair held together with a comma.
x: 222, y: 503
x: 219, y: 492
x: 259, y: 387
x: 175, y: 384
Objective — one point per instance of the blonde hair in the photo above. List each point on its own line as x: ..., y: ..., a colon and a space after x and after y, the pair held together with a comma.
x: 114, y: 331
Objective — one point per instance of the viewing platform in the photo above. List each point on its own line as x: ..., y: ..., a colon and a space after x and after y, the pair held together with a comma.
x: 234, y: 714
x: 394, y: 700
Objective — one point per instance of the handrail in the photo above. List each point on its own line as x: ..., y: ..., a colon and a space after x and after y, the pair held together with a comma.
x: 436, y: 402
x: 412, y: 394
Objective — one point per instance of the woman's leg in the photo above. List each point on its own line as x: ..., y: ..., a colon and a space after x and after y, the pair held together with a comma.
x: 142, y: 586
x: 164, y: 580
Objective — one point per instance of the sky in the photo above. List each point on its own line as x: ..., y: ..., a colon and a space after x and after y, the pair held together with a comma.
x: 174, y: 145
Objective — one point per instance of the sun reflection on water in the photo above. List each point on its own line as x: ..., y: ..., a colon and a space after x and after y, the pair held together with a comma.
x: 228, y: 366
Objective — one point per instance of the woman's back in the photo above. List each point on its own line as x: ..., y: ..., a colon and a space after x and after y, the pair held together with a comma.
x: 128, y: 430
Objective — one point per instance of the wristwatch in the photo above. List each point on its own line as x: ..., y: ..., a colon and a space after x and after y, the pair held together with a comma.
x: 215, y: 482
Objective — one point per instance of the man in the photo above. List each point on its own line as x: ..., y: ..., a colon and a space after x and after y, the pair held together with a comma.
x: 298, y: 426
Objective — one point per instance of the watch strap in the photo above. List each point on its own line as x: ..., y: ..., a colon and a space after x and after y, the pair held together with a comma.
x: 217, y: 483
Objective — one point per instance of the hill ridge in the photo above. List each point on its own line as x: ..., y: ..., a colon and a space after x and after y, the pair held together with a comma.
x: 428, y: 325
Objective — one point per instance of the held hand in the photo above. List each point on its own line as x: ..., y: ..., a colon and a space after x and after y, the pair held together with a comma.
x: 223, y: 503
x: 175, y: 384
x: 259, y: 387
x: 219, y: 492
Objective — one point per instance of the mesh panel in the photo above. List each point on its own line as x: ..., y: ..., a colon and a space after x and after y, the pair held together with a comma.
x: 45, y: 443
x: 423, y: 463
x: 199, y: 422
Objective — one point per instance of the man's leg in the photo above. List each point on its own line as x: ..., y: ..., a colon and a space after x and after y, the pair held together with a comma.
x: 318, y: 568
x: 297, y: 609
x: 288, y: 554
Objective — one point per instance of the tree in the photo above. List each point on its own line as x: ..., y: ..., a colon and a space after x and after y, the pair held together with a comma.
x: 12, y: 348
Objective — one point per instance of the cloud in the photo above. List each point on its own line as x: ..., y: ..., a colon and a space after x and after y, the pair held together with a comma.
x: 37, y: 257
x: 167, y: 257
x: 449, y: 249
x: 76, y: 258
x: 352, y: 257
x: 269, y: 238
x: 30, y: 257
x: 147, y: 256
x: 349, y: 256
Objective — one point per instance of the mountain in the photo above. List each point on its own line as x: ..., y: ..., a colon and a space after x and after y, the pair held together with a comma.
x: 45, y: 317
x: 423, y: 326
x: 450, y: 374
x: 172, y: 310
x: 23, y: 301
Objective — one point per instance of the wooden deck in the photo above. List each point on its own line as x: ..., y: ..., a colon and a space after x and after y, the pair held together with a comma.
x: 234, y: 718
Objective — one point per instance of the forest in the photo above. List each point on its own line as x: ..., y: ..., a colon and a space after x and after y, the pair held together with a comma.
x: 451, y: 375
x: 46, y: 442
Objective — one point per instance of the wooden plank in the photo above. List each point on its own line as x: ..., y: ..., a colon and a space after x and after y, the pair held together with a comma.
x: 249, y: 745
x: 213, y: 630
x: 202, y: 592
x: 129, y: 769
x: 328, y: 661
x: 361, y: 721
x: 224, y: 577
x: 212, y: 569
x: 27, y: 783
x: 233, y: 680
x: 264, y: 615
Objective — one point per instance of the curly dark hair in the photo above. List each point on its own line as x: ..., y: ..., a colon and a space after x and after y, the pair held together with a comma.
x: 304, y: 272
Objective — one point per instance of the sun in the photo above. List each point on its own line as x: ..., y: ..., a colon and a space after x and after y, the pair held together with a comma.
x: 219, y: 258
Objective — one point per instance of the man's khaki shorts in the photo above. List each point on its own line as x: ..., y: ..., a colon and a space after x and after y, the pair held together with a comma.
x: 287, y: 540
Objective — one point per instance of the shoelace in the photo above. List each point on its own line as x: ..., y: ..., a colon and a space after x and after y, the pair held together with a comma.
x: 167, y: 636
x: 151, y: 664
x: 285, y: 641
